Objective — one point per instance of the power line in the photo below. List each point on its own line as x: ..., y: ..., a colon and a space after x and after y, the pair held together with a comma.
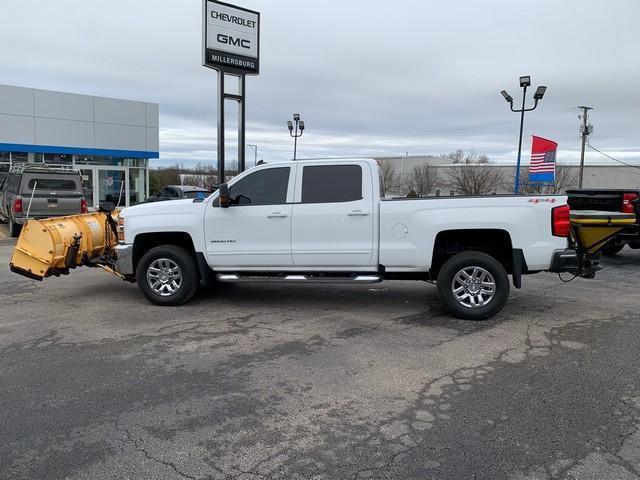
x: 612, y: 158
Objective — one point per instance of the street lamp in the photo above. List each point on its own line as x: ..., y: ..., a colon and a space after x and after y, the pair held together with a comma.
x: 525, y: 81
x: 295, y: 132
x: 255, y: 153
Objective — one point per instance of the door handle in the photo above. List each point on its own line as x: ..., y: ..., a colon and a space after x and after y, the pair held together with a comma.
x: 277, y: 215
x: 358, y: 213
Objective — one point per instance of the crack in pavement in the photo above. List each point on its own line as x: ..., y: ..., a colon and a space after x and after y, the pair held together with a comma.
x: 130, y: 439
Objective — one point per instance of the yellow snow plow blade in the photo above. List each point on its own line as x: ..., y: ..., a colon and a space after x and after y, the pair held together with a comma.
x: 593, y: 229
x: 53, y: 246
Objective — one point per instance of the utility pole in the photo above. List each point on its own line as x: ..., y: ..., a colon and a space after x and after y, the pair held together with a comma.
x: 585, y: 130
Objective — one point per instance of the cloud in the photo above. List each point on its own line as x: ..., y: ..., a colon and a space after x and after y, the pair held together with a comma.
x: 368, y: 77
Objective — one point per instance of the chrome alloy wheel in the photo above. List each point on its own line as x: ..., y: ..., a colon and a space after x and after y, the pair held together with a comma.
x: 473, y: 287
x: 164, y: 277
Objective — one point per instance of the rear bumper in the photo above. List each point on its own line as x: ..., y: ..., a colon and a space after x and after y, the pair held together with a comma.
x: 124, y: 259
x: 564, y: 261
x: 576, y: 263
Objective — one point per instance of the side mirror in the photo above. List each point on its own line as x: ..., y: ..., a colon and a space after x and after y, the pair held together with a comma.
x: 223, y: 197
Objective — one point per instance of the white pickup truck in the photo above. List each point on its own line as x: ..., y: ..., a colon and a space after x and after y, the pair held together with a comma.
x: 329, y: 221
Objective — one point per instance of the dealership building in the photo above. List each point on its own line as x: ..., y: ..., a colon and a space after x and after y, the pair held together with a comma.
x: 109, y: 141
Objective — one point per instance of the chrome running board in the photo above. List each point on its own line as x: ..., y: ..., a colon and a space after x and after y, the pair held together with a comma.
x: 294, y: 278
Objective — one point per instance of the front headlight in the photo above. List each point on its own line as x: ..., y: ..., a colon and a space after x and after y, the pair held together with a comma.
x: 121, y: 229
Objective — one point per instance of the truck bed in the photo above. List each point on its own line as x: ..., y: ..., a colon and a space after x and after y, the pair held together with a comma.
x: 409, y: 226
x: 605, y: 200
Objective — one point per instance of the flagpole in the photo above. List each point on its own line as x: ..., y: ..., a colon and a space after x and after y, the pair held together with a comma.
x: 525, y: 81
x: 517, y: 185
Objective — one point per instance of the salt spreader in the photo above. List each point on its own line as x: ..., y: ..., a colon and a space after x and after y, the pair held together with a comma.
x: 589, y: 232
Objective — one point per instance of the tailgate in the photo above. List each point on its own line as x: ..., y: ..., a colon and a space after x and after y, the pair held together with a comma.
x: 601, y: 200
x: 52, y: 205
x: 50, y: 195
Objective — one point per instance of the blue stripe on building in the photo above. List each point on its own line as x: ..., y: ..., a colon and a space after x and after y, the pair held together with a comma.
x: 101, y: 152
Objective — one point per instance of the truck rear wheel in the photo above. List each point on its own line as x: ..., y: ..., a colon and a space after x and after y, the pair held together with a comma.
x: 167, y: 275
x: 473, y: 285
x: 14, y: 228
x: 611, y: 249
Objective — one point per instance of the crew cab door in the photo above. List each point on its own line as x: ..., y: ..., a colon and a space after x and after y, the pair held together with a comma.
x: 255, y: 231
x: 333, y: 216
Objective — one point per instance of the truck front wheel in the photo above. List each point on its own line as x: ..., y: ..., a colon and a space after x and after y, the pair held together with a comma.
x: 473, y: 285
x: 167, y: 275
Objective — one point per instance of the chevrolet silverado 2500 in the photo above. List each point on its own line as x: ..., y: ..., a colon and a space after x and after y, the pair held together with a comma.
x: 329, y: 221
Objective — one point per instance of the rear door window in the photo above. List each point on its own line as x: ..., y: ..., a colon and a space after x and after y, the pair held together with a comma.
x: 12, y: 183
x: 331, y: 183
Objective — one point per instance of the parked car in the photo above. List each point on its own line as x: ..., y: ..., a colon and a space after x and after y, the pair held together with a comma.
x: 41, y: 193
x: 329, y: 222
x: 611, y: 200
x: 179, y: 192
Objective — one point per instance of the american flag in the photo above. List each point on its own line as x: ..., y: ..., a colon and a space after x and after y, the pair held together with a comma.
x: 543, y: 162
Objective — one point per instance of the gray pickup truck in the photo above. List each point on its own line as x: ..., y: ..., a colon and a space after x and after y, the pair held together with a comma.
x: 40, y: 193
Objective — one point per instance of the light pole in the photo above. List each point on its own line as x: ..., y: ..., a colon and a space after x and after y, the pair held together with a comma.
x: 297, y: 132
x: 525, y: 82
x: 255, y: 153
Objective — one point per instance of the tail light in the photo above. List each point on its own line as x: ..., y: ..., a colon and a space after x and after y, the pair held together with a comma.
x: 560, y: 221
x: 628, y: 202
x: 83, y: 206
x: 17, y: 206
x: 120, y: 229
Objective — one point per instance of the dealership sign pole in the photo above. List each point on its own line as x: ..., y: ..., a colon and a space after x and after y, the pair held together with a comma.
x: 231, y: 45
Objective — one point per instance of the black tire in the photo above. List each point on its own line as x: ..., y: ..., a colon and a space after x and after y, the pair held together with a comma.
x: 612, y: 248
x: 188, y: 285
x: 14, y: 228
x: 467, y: 260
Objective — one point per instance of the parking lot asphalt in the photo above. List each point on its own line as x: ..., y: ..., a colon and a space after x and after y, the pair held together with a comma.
x: 322, y: 382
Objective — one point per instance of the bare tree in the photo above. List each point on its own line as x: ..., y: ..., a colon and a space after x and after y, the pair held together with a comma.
x: 160, y: 177
x: 566, y: 177
x: 200, y: 176
x: 389, y: 176
x: 473, y: 174
x: 455, y: 157
x: 423, y: 180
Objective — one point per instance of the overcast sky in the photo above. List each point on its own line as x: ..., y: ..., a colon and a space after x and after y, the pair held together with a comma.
x: 368, y: 77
